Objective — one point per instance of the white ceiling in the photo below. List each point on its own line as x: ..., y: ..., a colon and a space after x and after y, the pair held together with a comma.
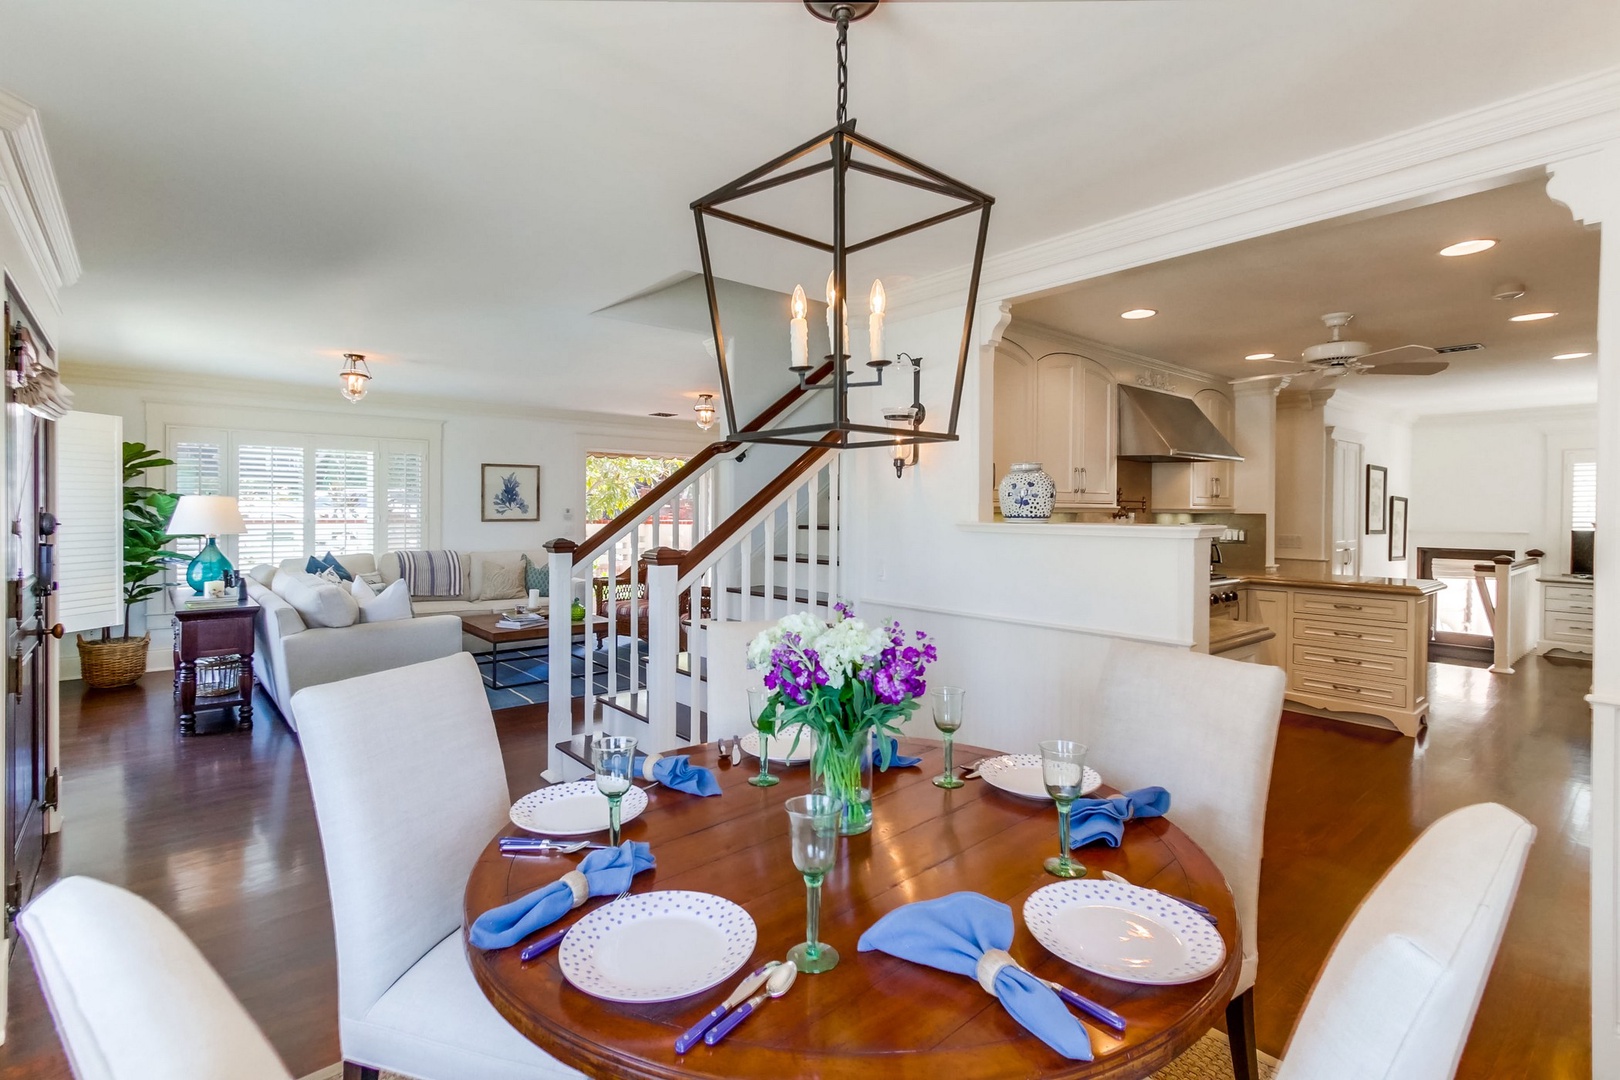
x: 454, y: 187
x: 1268, y: 294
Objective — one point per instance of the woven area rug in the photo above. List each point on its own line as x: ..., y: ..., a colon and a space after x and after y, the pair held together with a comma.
x: 1209, y: 1059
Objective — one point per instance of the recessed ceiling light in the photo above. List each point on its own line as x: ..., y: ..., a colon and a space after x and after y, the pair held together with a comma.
x: 1138, y: 313
x: 1467, y: 247
x: 1532, y: 316
x: 1571, y: 355
x: 1261, y: 356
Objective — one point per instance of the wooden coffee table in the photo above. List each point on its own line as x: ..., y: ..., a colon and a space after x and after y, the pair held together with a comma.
x: 485, y: 626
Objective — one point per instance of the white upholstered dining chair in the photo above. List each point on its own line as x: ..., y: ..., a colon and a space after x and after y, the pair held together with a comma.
x: 409, y: 786
x: 1398, y: 994
x: 729, y: 675
x: 132, y: 997
x: 1204, y: 729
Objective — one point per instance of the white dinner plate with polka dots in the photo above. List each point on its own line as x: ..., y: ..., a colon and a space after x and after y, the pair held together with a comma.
x: 1125, y: 932
x: 574, y: 809
x: 657, y: 946
x: 795, y: 747
x: 1020, y: 774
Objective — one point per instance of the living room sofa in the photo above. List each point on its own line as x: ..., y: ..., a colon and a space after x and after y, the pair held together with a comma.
x: 386, y: 568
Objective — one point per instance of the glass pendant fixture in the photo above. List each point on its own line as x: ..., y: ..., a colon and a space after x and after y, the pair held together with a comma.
x: 837, y: 154
x: 355, y: 377
x: 705, y: 411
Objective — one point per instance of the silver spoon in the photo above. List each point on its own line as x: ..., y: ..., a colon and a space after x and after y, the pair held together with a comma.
x: 778, y: 984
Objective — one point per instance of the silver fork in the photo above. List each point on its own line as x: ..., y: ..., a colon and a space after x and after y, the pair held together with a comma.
x: 553, y: 847
x: 551, y: 940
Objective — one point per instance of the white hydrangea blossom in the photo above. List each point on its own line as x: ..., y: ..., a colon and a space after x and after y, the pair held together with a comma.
x: 842, y: 647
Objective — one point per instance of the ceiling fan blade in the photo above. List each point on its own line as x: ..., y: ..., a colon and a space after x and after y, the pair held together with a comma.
x: 1273, y: 375
x: 1399, y: 354
x: 1431, y: 367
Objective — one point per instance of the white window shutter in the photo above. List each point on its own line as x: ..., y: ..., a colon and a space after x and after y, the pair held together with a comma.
x: 90, y: 509
x: 405, y: 509
x: 270, y: 494
x: 345, y: 507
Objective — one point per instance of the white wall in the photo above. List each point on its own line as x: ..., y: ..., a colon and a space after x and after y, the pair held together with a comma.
x: 1385, y: 440
x: 1494, y: 480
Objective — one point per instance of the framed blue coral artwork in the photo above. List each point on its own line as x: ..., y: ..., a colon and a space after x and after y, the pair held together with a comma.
x: 511, y: 493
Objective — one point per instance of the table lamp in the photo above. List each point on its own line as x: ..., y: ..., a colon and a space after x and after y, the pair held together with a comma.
x: 210, y: 516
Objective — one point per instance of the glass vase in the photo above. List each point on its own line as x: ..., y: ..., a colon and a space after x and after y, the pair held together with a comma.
x: 842, y: 768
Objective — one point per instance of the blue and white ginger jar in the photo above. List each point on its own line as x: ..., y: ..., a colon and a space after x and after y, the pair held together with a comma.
x: 1026, y: 493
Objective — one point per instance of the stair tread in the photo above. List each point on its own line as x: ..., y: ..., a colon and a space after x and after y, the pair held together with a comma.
x: 633, y: 703
x: 779, y: 593
x: 821, y: 560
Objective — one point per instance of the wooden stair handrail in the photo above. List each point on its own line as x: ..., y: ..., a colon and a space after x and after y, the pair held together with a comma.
x: 590, y: 549
x: 721, y: 534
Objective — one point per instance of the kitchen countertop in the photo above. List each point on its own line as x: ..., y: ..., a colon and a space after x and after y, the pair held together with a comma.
x: 1564, y: 579
x: 1311, y: 579
x: 1228, y: 634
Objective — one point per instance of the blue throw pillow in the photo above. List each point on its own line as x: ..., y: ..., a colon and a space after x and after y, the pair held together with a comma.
x: 330, y: 563
x: 314, y: 566
x: 537, y: 576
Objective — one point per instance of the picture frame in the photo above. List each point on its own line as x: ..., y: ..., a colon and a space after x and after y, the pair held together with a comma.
x: 1377, y: 518
x: 510, y: 493
x: 1397, y: 528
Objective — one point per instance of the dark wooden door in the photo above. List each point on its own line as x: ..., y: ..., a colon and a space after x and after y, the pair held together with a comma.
x: 27, y: 598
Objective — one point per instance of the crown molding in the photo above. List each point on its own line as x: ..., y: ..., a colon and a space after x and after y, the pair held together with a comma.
x: 1506, y: 140
x: 1530, y: 415
x: 1097, y: 349
x: 31, y: 199
x: 186, y: 388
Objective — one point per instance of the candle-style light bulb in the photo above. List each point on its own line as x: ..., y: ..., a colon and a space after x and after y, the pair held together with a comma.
x: 799, y: 332
x: 832, y: 306
x: 877, y: 302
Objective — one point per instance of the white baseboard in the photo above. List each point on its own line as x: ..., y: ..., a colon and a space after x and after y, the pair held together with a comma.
x: 159, y: 655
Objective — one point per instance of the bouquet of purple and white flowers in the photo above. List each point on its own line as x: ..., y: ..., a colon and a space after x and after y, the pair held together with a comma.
x: 842, y: 680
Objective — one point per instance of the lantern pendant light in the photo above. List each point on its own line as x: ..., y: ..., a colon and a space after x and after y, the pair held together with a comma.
x: 355, y: 376
x: 841, y: 151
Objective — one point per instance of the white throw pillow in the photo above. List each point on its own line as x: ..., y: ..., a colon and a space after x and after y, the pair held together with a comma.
x: 500, y: 577
x: 391, y: 603
x: 264, y: 574
x: 319, y: 603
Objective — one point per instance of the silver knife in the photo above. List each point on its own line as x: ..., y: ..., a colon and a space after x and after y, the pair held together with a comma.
x: 694, y: 1034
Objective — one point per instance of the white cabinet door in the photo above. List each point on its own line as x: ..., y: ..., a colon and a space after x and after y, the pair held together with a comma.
x: 1095, y: 417
x: 1346, y: 507
x: 1014, y: 438
x: 1057, y: 388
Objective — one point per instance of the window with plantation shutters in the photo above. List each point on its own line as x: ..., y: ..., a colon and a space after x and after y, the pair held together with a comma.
x: 345, y: 501
x: 270, y: 495
x: 199, y: 469
x: 404, y: 507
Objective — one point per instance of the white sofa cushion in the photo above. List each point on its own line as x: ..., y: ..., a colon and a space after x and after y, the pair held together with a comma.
x: 319, y: 603
x: 280, y: 618
x: 264, y: 574
x: 498, y: 576
x: 392, y: 602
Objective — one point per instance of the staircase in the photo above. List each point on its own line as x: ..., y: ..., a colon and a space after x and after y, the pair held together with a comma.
x: 775, y: 553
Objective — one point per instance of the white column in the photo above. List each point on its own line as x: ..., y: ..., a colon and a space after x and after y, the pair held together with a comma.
x: 1254, y: 479
x: 1590, y: 186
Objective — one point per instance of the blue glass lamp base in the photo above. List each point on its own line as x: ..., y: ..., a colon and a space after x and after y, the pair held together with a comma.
x: 209, y: 565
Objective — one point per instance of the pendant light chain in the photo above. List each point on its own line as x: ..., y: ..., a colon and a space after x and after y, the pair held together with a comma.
x: 843, y: 64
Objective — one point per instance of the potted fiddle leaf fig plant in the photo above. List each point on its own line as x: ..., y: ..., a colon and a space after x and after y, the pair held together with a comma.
x: 120, y: 661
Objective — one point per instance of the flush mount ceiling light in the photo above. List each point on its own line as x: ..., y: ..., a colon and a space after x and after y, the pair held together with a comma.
x: 1571, y: 355
x: 1261, y: 356
x: 705, y: 411
x: 1138, y: 313
x: 1467, y: 247
x: 840, y: 152
x: 355, y: 376
x: 1532, y: 316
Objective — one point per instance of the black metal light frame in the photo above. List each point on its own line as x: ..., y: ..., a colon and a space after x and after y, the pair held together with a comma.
x: 841, y: 142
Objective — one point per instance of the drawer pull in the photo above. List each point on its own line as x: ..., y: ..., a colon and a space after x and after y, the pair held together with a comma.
x: 1347, y: 607
x: 1347, y: 633
x: 1346, y: 689
x: 1572, y: 626
x: 1345, y: 660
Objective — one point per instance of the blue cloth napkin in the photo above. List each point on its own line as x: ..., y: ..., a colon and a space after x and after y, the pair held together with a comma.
x: 952, y: 933
x: 1091, y: 820
x: 607, y: 872
x: 679, y: 773
x: 897, y: 760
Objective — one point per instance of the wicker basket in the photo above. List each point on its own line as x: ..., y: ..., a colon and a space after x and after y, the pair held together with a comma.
x: 118, y: 662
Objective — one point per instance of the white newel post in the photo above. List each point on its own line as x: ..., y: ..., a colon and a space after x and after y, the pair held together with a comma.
x: 560, y: 655
x: 661, y: 570
x: 1590, y: 186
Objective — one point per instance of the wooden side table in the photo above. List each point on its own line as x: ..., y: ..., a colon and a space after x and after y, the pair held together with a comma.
x: 205, y: 633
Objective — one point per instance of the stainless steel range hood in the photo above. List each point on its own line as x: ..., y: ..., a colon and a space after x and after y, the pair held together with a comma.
x: 1163, y: 427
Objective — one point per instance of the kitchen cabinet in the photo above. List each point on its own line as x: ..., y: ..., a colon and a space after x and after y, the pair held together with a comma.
x: 1347, y: 505
x: 1269, y: 607
x: 1198, y: 485
x: 1566, y: 614
x: 1057, y: 409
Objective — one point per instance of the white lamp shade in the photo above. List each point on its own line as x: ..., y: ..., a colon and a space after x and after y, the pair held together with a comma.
x: 207, y: 515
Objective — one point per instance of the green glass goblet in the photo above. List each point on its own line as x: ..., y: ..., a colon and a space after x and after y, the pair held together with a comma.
x: 762, y: 715
x: 614, y: 757
x: 948, y: 702
x: 813, y: 828
x: 1063, y: 769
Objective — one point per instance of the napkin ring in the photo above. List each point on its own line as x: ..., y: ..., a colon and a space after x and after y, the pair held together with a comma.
x: 647, y: 765
x: 990, y: 965
x: 578, y: 885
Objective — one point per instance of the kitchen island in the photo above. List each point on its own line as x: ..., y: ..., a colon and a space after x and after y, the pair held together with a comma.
x: 1355, y: 645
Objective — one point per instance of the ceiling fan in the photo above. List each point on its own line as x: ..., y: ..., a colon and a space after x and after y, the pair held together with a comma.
x: 1338, y: 358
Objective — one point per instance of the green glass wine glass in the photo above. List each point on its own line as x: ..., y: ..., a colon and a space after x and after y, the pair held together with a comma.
x: 1063, y: 769
x: 813, y: 827
x: 948, y: 703
x: 762, y: 715
x: 614, y: 757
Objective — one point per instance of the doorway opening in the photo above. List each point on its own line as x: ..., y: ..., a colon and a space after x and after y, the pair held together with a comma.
x: 1460, y: 615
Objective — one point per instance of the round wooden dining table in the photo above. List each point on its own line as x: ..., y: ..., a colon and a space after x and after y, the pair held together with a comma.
x: 873, y: 1014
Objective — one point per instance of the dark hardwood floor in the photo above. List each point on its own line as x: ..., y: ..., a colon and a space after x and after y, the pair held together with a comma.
x: 219, y: 832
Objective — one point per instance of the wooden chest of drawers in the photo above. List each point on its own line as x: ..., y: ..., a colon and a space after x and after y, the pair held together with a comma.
x: 1566, y: 614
